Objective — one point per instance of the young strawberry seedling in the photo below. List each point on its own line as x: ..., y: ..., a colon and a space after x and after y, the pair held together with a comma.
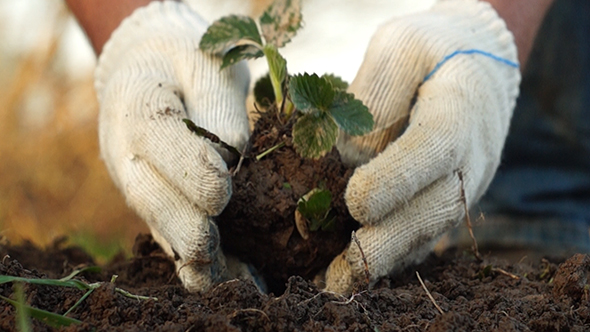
x: 320, y: 103
x: 266, y: 222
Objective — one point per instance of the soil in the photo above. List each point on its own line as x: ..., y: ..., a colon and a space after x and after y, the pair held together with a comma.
x: 258, y: 225
x: 491, y: 295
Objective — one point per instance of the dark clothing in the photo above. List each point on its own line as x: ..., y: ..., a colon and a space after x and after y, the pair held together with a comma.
x: 545, y: 170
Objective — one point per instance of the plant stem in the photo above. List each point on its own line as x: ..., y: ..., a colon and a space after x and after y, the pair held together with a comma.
x: 79, y: 301
x: 263, y: 154
x: 277, y: 68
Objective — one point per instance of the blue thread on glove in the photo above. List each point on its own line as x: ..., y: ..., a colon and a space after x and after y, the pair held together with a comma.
x: 472, y: 51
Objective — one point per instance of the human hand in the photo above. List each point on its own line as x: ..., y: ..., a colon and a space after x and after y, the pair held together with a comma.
x: 150, y: 76
x: 408, y: 195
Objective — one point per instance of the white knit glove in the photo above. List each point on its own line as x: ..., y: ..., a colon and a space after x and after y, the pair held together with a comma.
x: 150, y: 76
x: 407, y: 196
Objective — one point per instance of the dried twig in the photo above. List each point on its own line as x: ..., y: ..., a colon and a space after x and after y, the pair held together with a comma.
x: 428, y: 293
x: 318, y: 295
x: 468, y: 219
x: 253, y: 310
x: 506, y: 273
x: 241, y: 160
x: 367, y: 274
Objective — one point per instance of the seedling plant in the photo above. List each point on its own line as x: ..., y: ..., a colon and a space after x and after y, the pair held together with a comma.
x: 320, y: 105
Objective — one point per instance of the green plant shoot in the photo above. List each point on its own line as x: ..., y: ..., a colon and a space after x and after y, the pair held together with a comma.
x: 239, y: 35
x: 315, y: 208
x: 325, y: 106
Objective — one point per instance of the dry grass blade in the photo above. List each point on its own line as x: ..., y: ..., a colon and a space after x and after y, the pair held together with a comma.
x: 252, y: 310
x: 506, y: 273
x: 428, y: 293
x: 468, y: 219
x: 358, y: 243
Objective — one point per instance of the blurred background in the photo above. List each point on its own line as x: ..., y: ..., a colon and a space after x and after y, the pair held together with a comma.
x: 52, y: 180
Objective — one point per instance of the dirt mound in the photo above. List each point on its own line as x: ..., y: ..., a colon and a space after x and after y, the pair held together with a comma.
x: 258, y: 225
x: 473, y: 296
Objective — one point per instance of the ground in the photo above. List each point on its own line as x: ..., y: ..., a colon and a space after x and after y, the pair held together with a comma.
x: 467, y: 295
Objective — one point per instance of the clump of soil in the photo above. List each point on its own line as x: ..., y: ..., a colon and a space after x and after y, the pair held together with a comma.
x: 258, y: 225
x: 492, y: 295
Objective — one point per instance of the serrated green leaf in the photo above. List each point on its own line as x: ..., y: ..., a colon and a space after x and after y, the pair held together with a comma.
x: 280, y: 21
x: 316, y: 209
x: 314, y: 134
x: 337, y: 82
x: 228, y: 31
x: 263, y: 93
x: 239, y: 53
x: 351, y: 115
x: 311, y: 93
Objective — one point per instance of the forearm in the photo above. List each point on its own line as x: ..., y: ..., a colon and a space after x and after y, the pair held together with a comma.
x: 523, y: 18
x: 99, y: 18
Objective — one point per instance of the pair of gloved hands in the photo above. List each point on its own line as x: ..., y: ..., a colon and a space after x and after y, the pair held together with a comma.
x: 151, y: 75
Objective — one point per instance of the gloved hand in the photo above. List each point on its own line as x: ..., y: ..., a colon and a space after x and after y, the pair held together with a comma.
x: 150, y: 76
x: 409, y: 194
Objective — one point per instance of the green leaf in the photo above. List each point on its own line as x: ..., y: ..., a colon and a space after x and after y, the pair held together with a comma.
x: 314, y: 134
x: 316, y: 209
x: 239, y: 53
x: 311, y: 93
x: 88, y: 292
x: 329, y: 224
x: 47, y: 282
x: 228, y: 31
x: 351, y: 115
x: 280, y: 21
x: 91, y: 269
x: 263, y: 92
x: 52, y: 319
x: 22, y: 312
x: 337, y: 82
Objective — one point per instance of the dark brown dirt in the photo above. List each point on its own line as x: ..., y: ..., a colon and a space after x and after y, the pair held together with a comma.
x: 258, y: 225
x: 488, y: 296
